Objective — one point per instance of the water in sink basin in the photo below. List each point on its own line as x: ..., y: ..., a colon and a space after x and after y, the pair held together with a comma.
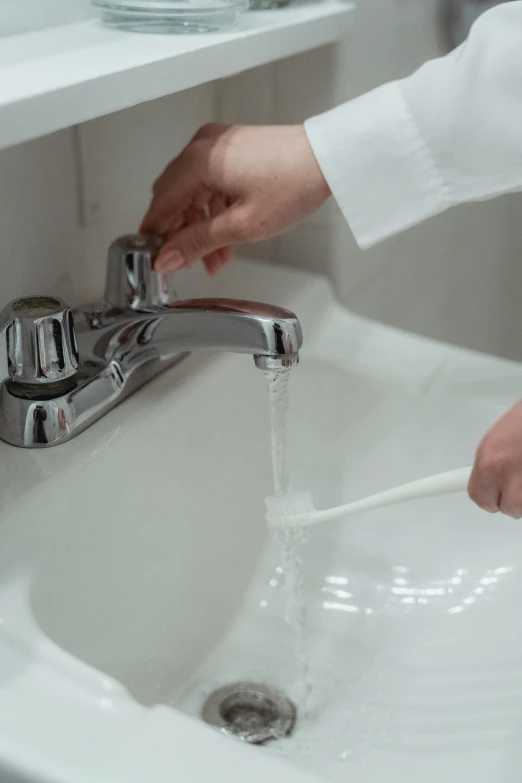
x: 416, y: 661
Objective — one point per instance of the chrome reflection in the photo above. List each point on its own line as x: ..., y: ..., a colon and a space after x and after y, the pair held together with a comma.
x: 59, y: 374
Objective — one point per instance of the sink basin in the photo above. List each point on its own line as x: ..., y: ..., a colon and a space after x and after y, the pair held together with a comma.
x: 136, y: 575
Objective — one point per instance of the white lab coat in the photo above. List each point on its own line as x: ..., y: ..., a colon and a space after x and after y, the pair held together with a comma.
x: 450, y: 133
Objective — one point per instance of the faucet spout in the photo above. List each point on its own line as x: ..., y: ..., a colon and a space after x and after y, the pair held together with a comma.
x: 272, y: 335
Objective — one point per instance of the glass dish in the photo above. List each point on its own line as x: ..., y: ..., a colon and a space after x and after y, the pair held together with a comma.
x: 268, y: 5
x: 171, y: 16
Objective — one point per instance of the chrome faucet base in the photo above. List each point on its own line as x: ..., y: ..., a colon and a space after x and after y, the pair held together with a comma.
x: 61, y: 371
x: 39, y: 422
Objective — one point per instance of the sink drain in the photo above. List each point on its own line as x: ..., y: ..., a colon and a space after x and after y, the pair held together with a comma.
x: 250, y: 711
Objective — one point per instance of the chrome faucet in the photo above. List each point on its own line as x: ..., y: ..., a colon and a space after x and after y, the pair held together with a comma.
x: 60, y: 371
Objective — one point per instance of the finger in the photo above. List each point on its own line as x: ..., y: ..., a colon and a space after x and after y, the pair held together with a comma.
x: 507, y: 506
x: 176, y: 223
x: 211, y: 130
x: 510, y: 505
x: 218, y: 259
x: 199, y: 240
x: 195, y: 214
x: 184, y: 188
x: 214, y: 261
x: 484, y: 490
x: 511, y: 500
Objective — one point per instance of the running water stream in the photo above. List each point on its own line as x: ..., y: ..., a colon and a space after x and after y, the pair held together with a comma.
x: 289, y: 539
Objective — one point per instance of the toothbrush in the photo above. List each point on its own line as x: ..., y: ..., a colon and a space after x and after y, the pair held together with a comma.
x: 298, y: 510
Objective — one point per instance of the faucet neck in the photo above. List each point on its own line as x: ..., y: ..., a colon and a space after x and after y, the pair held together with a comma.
x: 232, y: 325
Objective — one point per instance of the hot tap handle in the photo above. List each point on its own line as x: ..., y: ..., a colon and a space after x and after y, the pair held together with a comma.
x: 132, y: 282
x: 37, y: 341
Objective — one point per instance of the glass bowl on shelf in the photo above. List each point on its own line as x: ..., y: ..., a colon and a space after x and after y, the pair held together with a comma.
x: 268, y: 5
x: 171, y: 16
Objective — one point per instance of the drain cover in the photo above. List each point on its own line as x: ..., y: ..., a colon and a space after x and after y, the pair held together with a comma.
x: 250, y: 711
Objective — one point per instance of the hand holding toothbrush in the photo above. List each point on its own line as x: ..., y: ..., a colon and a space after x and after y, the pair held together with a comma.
x: 496, y: 480
x: 494, y: 483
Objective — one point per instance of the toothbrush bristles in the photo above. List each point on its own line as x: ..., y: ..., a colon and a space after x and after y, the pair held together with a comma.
x: 289, y: 510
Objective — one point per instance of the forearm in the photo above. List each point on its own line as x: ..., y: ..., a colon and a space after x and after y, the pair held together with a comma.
x: 450, y: 133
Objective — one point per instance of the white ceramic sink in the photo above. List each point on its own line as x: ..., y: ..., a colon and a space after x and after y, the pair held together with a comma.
x: 136, y: 574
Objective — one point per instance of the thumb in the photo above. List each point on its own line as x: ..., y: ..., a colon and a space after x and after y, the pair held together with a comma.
x: 198, y: 240
x: 484, y: 489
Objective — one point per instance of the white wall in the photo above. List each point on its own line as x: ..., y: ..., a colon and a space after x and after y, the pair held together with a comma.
x: 18, y: 16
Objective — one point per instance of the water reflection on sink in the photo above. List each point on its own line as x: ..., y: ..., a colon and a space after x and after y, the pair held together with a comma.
x: 415, y: 652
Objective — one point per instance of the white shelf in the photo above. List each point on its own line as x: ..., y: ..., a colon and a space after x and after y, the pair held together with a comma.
x: 65, y: 75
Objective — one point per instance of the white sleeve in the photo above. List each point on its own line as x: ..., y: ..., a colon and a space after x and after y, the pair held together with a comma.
x: 450, y: 133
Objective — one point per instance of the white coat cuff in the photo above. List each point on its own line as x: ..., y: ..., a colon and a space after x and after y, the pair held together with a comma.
x: 377, y: 165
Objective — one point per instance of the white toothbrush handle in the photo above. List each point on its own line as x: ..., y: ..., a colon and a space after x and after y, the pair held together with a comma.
x: 440, y: 484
